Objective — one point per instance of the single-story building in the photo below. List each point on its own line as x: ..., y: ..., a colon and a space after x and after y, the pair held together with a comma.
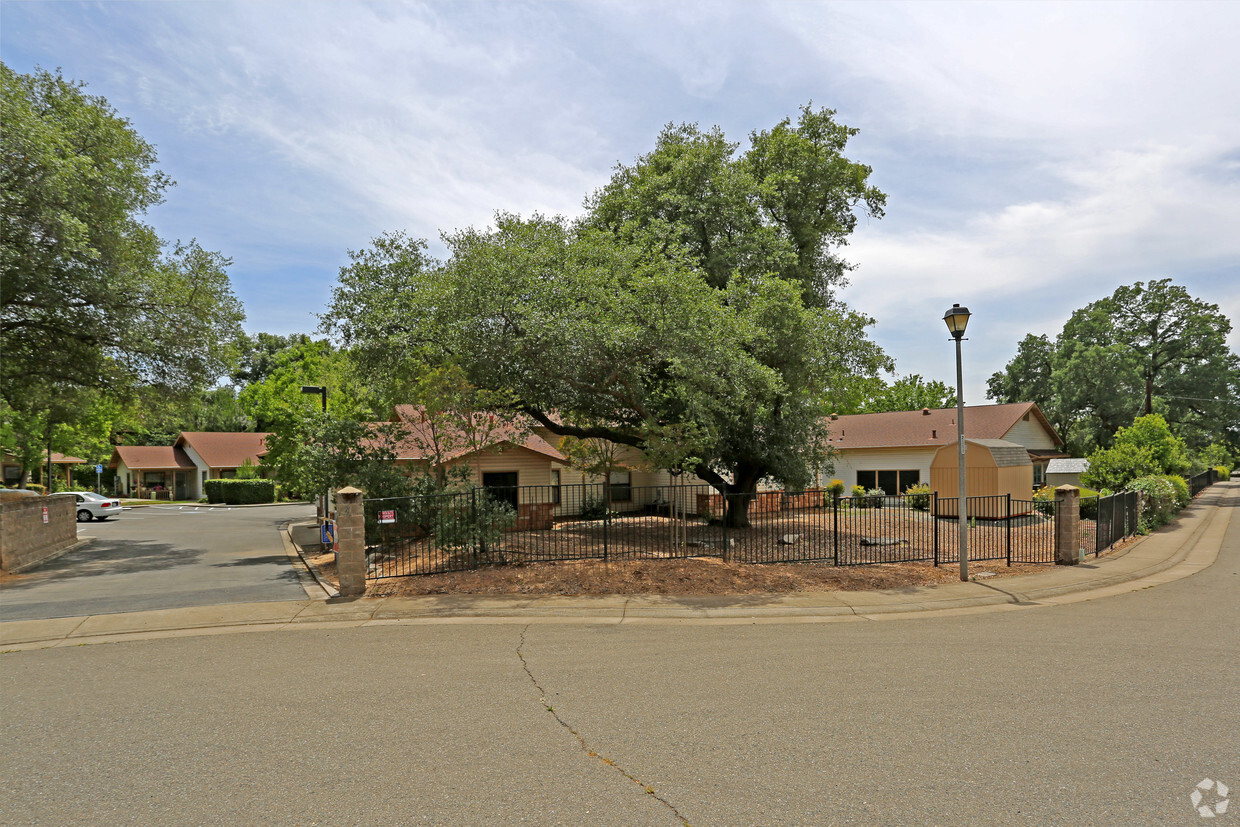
x: 1066, y: 471
x: 62, y: 467
x: 895, y: 450
x: 180, y: 471
x: 994, y: 470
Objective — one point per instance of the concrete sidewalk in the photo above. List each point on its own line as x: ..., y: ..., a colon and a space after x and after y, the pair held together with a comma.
x: 1185, y: 547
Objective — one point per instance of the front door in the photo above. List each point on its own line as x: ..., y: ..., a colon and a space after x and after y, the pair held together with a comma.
x: 501, y: 486
x: 179, y: 485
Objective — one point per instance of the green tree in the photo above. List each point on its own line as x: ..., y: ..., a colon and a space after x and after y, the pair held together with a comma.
x: 785, y: 206
x: 908, y: 393
x: 1147, y: 348
x: 90, y: 297
x: 316, y: 451
x: 277, y: 400
x: 1151, y: 433
x: 598, y: 340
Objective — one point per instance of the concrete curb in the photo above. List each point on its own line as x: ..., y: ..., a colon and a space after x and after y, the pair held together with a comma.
x: 296, y: 553
x: 1186, y: 547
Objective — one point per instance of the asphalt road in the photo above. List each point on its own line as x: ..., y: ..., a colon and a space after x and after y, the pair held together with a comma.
x: 163, y: 557
x: 1094, y: 713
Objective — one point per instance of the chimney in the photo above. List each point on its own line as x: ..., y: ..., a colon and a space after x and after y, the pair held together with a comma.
x: 834, y: 417
x: 925, y: 411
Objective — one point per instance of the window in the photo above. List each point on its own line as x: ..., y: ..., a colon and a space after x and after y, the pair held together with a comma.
x: 892, y: 482
x: 1039, y: 475
x: 555, y: 486
x: 621, y: 487
x: 501, y: 486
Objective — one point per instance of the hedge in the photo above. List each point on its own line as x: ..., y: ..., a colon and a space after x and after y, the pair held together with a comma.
x: 240, y: 492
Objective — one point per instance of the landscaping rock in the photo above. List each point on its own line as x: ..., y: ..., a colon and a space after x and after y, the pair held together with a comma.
x: 789, y: 539
x: 883, y: 541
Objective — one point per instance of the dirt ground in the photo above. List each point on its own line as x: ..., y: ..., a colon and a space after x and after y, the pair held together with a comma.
x: 682, y: 576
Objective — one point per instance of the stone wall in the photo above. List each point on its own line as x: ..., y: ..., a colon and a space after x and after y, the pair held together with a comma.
x: 25, y: 540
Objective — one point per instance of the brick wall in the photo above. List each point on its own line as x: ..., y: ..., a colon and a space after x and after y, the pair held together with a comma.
x: 25, y: 539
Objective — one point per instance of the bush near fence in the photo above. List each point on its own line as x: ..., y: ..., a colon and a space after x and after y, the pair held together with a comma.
x: 240, y: 492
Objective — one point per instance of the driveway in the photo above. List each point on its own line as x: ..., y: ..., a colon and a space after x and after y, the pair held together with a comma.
x: 163, y: 557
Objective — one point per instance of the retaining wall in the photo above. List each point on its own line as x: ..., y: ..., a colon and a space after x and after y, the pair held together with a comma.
x: 25, y: 539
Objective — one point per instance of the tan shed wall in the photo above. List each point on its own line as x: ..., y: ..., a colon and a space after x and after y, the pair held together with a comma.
x: 982, y: 477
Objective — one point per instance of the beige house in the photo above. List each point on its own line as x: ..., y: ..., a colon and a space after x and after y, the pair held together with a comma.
x: 893, y: 451
x: 62, y: 467
x: 180, y: 471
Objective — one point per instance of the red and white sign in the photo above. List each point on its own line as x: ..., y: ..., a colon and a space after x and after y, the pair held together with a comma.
x: 384, y: 516
x: 45, y: 515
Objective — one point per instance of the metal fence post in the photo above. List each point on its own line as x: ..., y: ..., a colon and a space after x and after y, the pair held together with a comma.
x: 727, y: 505
x: 835, y: 527
x: 934, y: 523
x: 1009, y: 528
x: 606, y: 523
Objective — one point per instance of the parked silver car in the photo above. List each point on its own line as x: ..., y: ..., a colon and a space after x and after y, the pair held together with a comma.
x: 90, y: 504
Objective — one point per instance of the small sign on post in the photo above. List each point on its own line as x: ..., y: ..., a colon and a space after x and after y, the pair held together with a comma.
x: 98, y: 479
x: 328, y: 537
x: 387, y: 516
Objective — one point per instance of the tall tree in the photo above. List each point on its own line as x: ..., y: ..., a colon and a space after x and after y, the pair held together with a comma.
x: 1147, y: 348
x: 90, y: 297
x: 907, y: 393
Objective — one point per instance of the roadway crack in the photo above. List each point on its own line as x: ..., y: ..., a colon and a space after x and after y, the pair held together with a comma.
x: 585, y: 747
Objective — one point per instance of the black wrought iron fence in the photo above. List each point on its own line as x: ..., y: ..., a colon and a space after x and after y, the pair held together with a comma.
x: 467, y: 530
x: 1200, y: 482
x: 1115, y: 518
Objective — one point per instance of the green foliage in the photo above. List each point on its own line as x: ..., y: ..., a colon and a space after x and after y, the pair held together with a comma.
x: 594, y: 508
x: 1152, y: 434
x: 836, y: 488
x: 1159, y: 504
x: 247, y: 470
x: 319, y: 451
x: 91, y: 300
x: 277, y: 400
x: 908, y: 393
x: 1044, y: 501
x: 1215, y: 455
x: 476, y: 523
x: 1115, y: 468
x: 1182, y: 495
x: 240, y: 491
x: 1148, y: 348
x: 695, y: 296
x: 861, y: 498
x: 918, y: 496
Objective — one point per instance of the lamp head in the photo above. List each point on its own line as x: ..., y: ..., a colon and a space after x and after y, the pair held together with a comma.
x: 311, y: 389
x: 956, y: 320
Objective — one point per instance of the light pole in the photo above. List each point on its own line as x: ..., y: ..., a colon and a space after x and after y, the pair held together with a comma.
x: 957, y: 319
x: 321, y: 390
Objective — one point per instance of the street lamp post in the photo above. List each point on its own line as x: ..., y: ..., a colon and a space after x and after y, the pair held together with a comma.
x: 957, y: 319
x: 321, y: 390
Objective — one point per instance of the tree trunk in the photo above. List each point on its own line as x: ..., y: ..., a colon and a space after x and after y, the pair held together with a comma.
x: 740, y: 494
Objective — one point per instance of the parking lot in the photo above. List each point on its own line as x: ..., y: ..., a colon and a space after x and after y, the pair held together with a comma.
x: 163, y: 557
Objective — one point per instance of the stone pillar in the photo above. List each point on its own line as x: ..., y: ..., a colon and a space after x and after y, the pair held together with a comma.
x: 1067, y: 525
x: 351, y: 539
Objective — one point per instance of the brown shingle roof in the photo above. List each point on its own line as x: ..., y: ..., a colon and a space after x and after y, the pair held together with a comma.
x: 929, y: 427
x: 138, y: 457
x: 414, y: 446
x: 225, y: 449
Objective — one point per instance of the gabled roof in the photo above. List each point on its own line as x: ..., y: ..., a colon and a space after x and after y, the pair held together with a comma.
x: 930, y: 427
x: 414, y: 447
x: 1072, y: 465
x: 225, y: 449
x: 156, y: 457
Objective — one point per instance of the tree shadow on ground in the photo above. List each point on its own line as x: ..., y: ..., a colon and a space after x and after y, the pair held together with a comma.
x: 96, y: 559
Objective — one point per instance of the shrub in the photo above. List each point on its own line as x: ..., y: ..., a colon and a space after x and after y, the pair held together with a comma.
x: 1044, y: 501
x: 1159, y: 505
x: 1116, y: 467
x: 36, y: 487
x: 918, y: 496
x: 240, y: 492
x: 1089, y: 506
x: 483, y: 523
x: 836, y: 488
x: 1182, y: 497
x: 594, y: 508
x: 247, y: 470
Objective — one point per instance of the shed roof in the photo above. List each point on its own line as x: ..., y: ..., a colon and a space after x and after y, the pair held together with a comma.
x: 225, y: 449
x: 930, y: 427
x: 1072, y: 465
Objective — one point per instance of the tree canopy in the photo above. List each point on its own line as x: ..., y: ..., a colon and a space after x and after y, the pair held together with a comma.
x: 90, y: 297
x: 1147, y: 348
x: 692, y: 304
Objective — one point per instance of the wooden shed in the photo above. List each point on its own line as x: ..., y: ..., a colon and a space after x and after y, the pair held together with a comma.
x: 993, y: 468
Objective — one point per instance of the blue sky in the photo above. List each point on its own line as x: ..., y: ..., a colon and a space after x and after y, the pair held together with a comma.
x: 1035, y: 156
